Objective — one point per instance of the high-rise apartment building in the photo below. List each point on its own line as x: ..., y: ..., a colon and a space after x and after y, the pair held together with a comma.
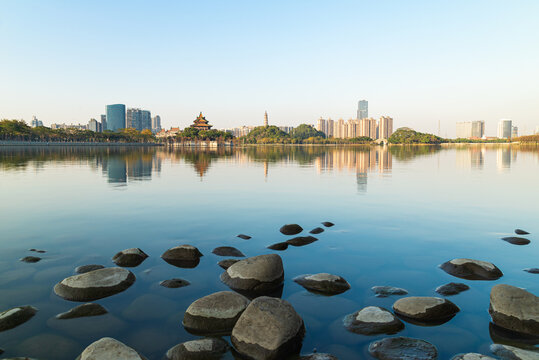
x: 156, y: 124
x: 514, y: 132
x: 330, y: 128
x: 116, y: 117
x: 103, y: 122
x: 138, y: 119
x: 470, y: 129
x: 385, y: 127
x: 146, y: 120
x: 352, y: 128
x: 362, y: 109
x: 93, y: 125
x: 35, y: 122
x: 505, y: 129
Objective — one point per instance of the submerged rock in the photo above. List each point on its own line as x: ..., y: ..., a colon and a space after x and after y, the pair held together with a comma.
x: 317, y: 230
x: 279, y: 246
x: 16, y: 316
x: 499, y: 335
x: 269, y: 328
x: 83, y: 310
x: 373, y: 320
x: 514, y: 309
x: 318, y: 356
x: 328, y: 224
x: 109, y: 349
x: 37, y: 251
x: 301, y: 240
x: 201, y: 349
x: 129, y: 257
x: 87, y: 268
x: 472, y: 269
x: 244, y: 237
x: 291, y: 229
x: 323, y: 283
x: 174, y: 283
x: 215, y: 314
x: 184, y: 256
x: 260, y: 274
x: 471, y: 356
x: 452, y: 289
x: 403, y: 348
x: 532, y: 270
x: 225, y: 264
x: 385, y: 291
x: 424, y: 309
x: 227, y: 251
x: 30, y: 259
x: 516, y: 240
x: 95, y: 284
x: 513, y: 353
x: 521, y: 232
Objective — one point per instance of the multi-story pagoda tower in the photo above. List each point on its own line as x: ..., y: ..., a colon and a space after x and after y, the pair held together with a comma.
x: 266, y: 119
x: 201, y: 123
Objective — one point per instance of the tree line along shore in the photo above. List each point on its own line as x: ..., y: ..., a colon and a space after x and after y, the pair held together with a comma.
x: 17, y: 130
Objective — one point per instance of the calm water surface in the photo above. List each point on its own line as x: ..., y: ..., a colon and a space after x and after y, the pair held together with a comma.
x: 399, y: 213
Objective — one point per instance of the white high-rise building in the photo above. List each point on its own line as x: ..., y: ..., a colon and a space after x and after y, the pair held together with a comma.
x: 505, y: 128
x: 470, y: 129
x: 36, y: 122
x: 156, y: 124
x: 514, y: 132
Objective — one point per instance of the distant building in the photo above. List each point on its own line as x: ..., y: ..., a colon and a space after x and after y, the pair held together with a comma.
x: 385, y: 127
x: 353, y: 128
x: 505, y: 129
x: 69, y: 127
x: 164, y: 133
x: 94, y: 125
x: 156, y: 124
x: 266, y: 119
x: 514, y: 132
x: 146, y: 120
x: 116, y: 117
x: 362, y: 109
x: 201, y: 123
x: 286, y: 129
x: 138, y: 119
x: 103, y: 122
x: 36, y: 122
x: 470, y: 129
x: 322, y: 125
x: 240, y: 131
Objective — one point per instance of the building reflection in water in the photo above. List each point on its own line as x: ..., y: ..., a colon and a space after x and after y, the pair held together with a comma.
x: 504, y: 157
x: 470, y: 157
x: 135, y: 166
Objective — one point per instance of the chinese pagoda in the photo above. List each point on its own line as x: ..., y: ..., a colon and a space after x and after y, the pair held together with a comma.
x: 201, y: 123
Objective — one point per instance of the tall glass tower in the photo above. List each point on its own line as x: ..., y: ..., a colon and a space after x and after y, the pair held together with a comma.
x: 115, y: 117
x: 362, y: 109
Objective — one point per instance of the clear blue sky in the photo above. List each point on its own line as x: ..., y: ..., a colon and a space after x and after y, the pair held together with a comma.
x: 417, y: 61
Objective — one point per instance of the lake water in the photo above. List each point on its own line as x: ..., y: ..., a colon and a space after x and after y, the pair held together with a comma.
x: 398, y: 214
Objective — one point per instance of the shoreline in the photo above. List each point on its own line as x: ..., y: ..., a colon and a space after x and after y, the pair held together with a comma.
x: 54, y: 143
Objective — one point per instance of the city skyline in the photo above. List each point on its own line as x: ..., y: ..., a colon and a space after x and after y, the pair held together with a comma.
x: 233, y: 74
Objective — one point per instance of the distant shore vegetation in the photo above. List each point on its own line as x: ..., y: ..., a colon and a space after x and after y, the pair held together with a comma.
x: 303, y: 134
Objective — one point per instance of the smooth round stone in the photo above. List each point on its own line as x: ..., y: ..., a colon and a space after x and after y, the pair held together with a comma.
x: 225, y: 264
x: 202, y: 349
x: 514, y: 309
x: 129, y: 257
x: 269, y: 328
x: 532, y: 270
x: 279, y: 246
x: 301, y: 240
x: 318, y: 356
x: 291, y: 229
x: 260, y: 274
x: 316, y: 230
x: 471, y: 356
x: 373, y: 320
x: 472, y: 269
x: 30, y: 259
x: 174, y: 283
x: 16, y: 316
x: 515, y: 240
x: 425, y: 309
x: 513, y: 353
x: 328, y: 224
x: 323, y: 283
x: 227, y: 251
x: 83, y: 310
x: 452, y: 289
x: 109, y: 349
x: 403, y: 348
x: 244, y: 237
x: 385, y: 291
x: 521, y: 232
x: 87, y: 268
x: 95, y: 284
x: 184, y: 256
x: 215, y: 314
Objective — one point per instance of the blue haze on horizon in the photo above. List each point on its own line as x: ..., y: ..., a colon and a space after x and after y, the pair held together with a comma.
x: 418, y: 61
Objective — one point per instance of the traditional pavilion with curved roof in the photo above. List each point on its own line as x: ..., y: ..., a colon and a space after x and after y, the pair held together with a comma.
x: 201, y: 123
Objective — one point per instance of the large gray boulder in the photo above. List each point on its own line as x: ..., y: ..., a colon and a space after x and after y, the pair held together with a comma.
x: 403, y: 348
x: 184, y: 256
x: 201, y: 349
x: 472, y: 269
x: 109, y: 349
x: 471, y: 356
x: 323, y: 283
x: 16, y: 316
x: 269, y: 329
x: 255, y: 275
x: 508, y: 352
x: 515, y: 309
x: 95, y: 284
x: 291, y: 229
x: 425, y: 309
x: 215, y: 314
x: 129, y: 257
x: 373, y: 320
x: 89, y: 309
